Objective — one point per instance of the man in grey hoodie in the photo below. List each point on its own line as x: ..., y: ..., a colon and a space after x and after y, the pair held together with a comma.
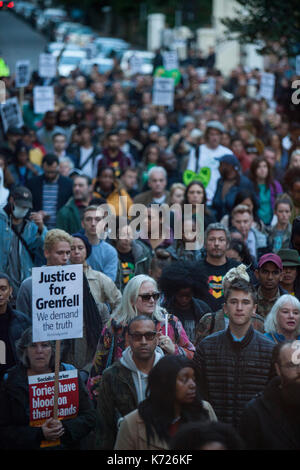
x: 123, y: 385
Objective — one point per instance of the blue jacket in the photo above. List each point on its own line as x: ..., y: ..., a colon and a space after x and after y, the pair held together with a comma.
x: 223, y: 206
x: 34, y: 240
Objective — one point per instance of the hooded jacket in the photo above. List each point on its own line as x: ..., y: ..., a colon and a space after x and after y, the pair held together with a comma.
x: 121, y: 389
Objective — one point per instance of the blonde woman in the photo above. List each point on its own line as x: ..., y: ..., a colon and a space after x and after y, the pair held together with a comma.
x: 140, y: 297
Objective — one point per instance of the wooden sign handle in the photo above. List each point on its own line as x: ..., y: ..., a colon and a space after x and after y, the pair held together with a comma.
x: 56, y: 378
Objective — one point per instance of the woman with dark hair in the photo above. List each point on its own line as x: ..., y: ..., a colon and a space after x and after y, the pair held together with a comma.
x: 16, y: 430
x: 239, y: 251
x: 21, y: 168
x: 282, y: 156
x: 150, y: 159
x: 207, y: 436
x: 266, y: 187
x: 179, y: 288
x: 100, y: 298
x: 172, y: 400
x: 195, y: 194
x: 106, y: 186
x: 246, y: 198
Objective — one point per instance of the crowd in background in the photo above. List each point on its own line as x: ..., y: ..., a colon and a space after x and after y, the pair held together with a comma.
x: 218, y: 319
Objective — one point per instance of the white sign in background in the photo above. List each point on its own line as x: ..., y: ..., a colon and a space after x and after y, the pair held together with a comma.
x: 170, y: 59
x: 11, y: 114
x: 47, y: 66
x: 22, y: 73
x: 43, y: 99
x: 163, y: 91
x: 267, y: 86
x: 57, y: 302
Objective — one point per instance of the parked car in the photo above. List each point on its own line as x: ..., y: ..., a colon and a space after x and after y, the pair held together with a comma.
x: 144, y: 62
x: 62, y: 29
x: 49, y: 14
x: 107, y: 46
x: 80, y: 35
x: 69, y: 61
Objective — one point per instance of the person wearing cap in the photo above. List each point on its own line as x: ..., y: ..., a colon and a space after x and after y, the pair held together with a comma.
x: 269, y: 275
x: 231, y: 182
x: 203, y: 159
x: 290, y: 262
x: 21, y: 237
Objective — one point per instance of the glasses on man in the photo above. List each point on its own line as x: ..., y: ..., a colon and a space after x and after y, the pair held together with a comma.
x: 147, y: 297
x: 149, y: 336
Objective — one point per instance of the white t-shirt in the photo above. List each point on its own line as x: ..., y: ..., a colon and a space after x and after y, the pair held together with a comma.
x: 90, y: 169
x: 208, y: 161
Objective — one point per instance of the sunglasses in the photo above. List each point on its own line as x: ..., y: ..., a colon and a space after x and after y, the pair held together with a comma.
x: 147, y: 297
x: 149, y: 336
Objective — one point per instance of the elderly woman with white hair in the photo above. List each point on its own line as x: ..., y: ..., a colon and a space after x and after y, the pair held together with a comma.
x: 140, y: 297
x: 216, y: 321
x: 283, y: 321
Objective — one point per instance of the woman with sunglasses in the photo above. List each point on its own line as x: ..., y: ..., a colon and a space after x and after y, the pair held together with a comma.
x: 140, y: 297
x: 172, y: 399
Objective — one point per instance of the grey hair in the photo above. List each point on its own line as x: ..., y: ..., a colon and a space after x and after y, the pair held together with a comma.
x: 67, y: 160
x: 216, y: 226
x: 127, y: 310
x: 24, y: 342
x: 271, y: 319
x: 238, y: 272
x: 157, y: 169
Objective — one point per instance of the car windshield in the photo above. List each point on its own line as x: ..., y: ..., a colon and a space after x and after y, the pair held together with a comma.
x: 70, y: 60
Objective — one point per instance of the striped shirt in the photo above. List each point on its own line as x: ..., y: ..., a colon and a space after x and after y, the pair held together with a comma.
x: 50, y: 192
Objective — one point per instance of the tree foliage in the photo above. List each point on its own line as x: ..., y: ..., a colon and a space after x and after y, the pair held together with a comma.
x: 272, y: 25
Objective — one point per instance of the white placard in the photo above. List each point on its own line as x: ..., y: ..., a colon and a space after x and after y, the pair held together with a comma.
x: 170, y: 59
x: 267, y: 86
x: 43, y: 99
x: 211, y: 82
x: 47, y: 66
x: 135, y: 64
x: 22, y: 73
x: 57, y: 302
x: 298, y: 64
x: 11, y: 114
x: 163, y: 91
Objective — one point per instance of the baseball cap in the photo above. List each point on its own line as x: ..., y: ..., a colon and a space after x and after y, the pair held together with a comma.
x: 270, y: 258
x: 153, y: 129
x: 215, y: 125
x: 231, y: 160
x: 22, y: 196
x: 289, y: 257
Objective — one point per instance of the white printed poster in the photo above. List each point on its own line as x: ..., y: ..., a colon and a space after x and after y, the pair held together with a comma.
x: 163, y: 91
x: 43, y: 99
x: 11, y: 114
x: 47, y: 66
x: 170, y: 60
x: 267, y: 86
x: 57, y: 302
x: 22, y: 73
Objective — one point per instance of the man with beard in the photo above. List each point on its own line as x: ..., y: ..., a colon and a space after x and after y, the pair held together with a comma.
x: 113, y: 156
x: 272, y: 420
x: 210, y: 271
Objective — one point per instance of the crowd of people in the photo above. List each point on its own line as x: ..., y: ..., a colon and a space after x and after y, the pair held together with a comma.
x: 183, y: 348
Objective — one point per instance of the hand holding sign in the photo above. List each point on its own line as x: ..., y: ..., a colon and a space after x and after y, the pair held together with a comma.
x: 52, y: 429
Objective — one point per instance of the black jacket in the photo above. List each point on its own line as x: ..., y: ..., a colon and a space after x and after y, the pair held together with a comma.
x: 15, y: 431
x: 268, y: 423
x: 231, y: 373
x: 65, y: 191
